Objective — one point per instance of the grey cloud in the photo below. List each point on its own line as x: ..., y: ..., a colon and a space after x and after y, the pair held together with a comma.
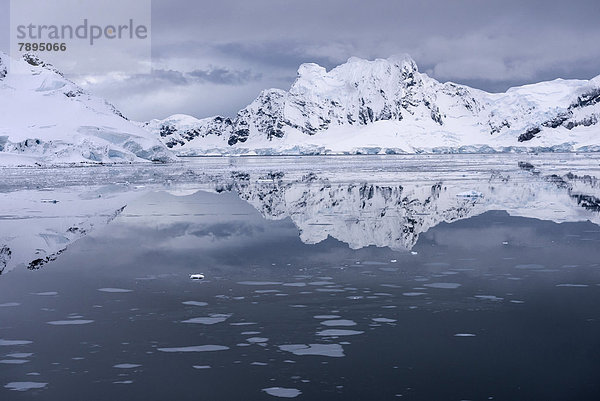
x: 224, y: 76
x: 167, y: 76
x: 221, y: 54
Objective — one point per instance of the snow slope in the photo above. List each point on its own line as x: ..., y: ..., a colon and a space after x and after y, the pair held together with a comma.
x: 45, y: 118
x: 388, y: 106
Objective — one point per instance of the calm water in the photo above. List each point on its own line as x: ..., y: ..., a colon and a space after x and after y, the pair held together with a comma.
x: 457, y: 278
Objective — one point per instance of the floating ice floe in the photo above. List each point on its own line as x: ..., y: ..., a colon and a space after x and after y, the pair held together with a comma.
x: 70, y: 322
x: 126, y: 366
x: 330, y: 350
x: 282, y: 392
x: 572, y: 285
x: 46, y: 294
x: 13, y: 361
x: 20, y: 355
x: 14, y: 342
x: 24, y: 386
x: 383, y: 320
x: 341, y: 322
x: 201, y: 366
x: 195, y: 303
x: 257, y: 340
x: 114, y: 290
x: 531, y: 266
x: 212, y: 319
x: 195, y: 348
x: 338, y: 332
x: 197, y: 276
x: 449, y: 286
x: 413, y: 294
x: 9, y: 304
x: 489, y: 297
x: 464, y: 335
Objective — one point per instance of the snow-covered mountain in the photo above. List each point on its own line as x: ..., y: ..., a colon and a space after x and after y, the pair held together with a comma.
x: 45, y: 118
x: 388, y: 106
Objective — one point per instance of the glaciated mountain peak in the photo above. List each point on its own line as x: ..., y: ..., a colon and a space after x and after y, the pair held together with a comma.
x: 388, y: 106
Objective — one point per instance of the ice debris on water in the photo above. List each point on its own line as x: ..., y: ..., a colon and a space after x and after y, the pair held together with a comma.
x: 282, y: 392
x: 197, y: 276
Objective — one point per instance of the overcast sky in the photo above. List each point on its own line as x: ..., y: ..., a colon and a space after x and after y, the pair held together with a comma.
x: 215, y: 57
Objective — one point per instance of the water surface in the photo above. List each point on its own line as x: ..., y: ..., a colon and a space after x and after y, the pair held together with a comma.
x: 457, y: 278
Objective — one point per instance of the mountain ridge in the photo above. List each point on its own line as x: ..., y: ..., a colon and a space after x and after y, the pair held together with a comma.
x: 388, y: 106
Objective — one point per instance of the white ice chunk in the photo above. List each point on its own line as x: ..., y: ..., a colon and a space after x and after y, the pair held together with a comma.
x: 212, y: 319
x: 572, y: 285
x: 341, y: 322
x: 282, y: 392
x: 338, y: 332
x: 126, y: 366
x: 70, y: 322
x: 195, y: 303
x: 489, y: 297
x: 257, y: 340
x: 195, y: 348
x: 330, y: 350
x: 24, y: 386
x: 14, y: 342
x: 443, y: 285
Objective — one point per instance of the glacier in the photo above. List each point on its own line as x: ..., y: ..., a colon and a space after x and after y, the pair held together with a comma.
x: 47, y: 119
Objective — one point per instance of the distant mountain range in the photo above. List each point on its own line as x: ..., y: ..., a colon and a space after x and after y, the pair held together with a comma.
x: 360, y: 107
x: 388, y: 106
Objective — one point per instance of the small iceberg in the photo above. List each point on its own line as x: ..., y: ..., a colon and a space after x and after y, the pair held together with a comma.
x: 197, y: 276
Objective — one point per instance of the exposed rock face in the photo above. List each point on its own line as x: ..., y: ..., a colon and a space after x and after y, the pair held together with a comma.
x: 410, y: 112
